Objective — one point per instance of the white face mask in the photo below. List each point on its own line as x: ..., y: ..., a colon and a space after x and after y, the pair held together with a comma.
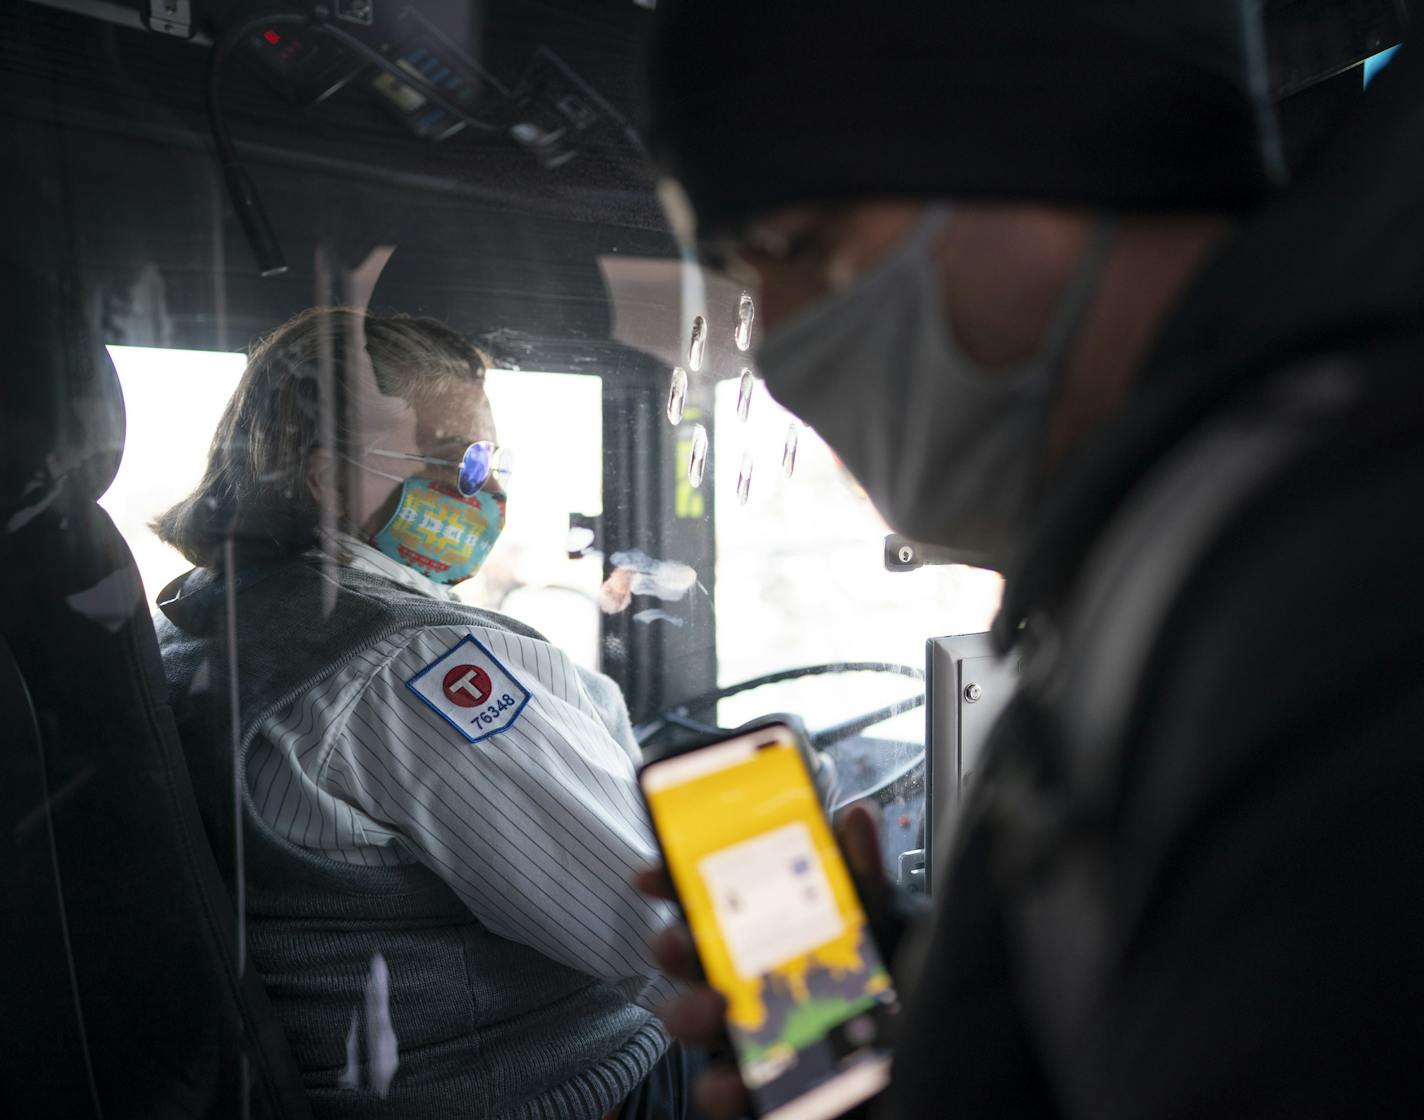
x: 949, y: 452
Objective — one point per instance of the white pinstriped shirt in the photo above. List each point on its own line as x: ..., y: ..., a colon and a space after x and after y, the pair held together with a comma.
x: 538, y: 828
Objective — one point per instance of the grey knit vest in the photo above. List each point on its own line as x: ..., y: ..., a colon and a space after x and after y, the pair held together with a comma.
x: 485, y: 1027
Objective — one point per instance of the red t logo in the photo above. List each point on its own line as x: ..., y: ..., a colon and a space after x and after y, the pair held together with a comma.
x: 467, y: 685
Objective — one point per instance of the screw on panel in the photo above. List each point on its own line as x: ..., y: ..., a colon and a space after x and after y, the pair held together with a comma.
x: 906, y: 554
x: 972, y: 693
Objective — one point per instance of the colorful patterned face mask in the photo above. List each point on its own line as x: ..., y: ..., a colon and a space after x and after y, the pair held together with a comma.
x: 440, y: 532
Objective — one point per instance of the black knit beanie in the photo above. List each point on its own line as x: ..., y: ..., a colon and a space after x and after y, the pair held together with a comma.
x: 1124, y: 104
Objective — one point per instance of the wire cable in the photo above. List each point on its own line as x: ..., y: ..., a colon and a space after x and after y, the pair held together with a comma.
x: 240, y: 188
x: 255, y: 225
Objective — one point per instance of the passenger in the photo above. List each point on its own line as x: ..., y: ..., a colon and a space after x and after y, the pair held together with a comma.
x: 440, y: 815
x: 1026, y: 268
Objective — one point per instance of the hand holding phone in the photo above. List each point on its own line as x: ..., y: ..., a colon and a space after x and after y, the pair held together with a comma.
x: 779, y: 929
x: 697, y: 1017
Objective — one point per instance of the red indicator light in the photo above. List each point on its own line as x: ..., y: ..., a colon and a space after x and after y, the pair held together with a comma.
x: 271, y: 36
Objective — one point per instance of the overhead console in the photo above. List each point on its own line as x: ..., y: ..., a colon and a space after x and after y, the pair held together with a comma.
x: 529, y: 78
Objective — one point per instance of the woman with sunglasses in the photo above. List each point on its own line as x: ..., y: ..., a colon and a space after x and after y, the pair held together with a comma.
x: 439, y: 822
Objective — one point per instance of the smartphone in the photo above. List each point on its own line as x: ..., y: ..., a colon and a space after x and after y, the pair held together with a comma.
x: 777, y: 923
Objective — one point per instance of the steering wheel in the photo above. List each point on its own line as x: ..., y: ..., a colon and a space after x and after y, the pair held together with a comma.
x: 901, y: 830
x: 679, y: 717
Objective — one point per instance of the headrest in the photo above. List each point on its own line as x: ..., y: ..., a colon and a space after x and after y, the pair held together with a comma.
x: 61, y: 408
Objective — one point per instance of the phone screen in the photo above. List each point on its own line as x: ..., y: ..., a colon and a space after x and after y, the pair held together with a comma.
x: 777, y: 923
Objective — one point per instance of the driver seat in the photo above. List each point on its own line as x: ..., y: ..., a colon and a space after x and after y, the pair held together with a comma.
x: 120, y: 979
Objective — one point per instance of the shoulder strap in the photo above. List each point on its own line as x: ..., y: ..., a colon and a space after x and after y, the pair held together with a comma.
x: 1049, y: 815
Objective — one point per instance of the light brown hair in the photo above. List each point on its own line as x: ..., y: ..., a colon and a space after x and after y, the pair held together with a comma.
x: 254, y: 489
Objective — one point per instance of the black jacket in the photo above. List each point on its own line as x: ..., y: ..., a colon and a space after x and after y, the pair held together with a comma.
x: 1190, y: 879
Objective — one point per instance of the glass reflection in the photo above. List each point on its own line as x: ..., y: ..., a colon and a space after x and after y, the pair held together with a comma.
x: 745, y: 385
x: 697, y: 344
x: 697, y: 458
x: 746, y: 313
x: 788, y: 449
x: 677, y: 395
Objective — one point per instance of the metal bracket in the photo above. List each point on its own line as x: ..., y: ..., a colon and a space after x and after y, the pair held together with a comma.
x: 171, y: 17
x: 912, y: 871
x: 967, y: 686
x: 357, y: 11
x: 904, y: 555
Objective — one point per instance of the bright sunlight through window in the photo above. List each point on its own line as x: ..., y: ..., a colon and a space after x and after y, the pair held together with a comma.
x: 173, y: 399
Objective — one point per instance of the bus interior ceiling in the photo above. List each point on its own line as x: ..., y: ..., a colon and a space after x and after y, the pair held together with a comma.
x: 496, y: 238
x: 489, y: 237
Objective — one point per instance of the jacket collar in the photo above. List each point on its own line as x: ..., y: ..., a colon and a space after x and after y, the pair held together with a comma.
x: 354, y: 553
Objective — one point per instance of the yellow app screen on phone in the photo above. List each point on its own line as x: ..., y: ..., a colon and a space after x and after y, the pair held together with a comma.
x: 777, y: 922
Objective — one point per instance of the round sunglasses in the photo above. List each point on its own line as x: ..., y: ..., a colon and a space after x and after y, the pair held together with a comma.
x: 481, y: 462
